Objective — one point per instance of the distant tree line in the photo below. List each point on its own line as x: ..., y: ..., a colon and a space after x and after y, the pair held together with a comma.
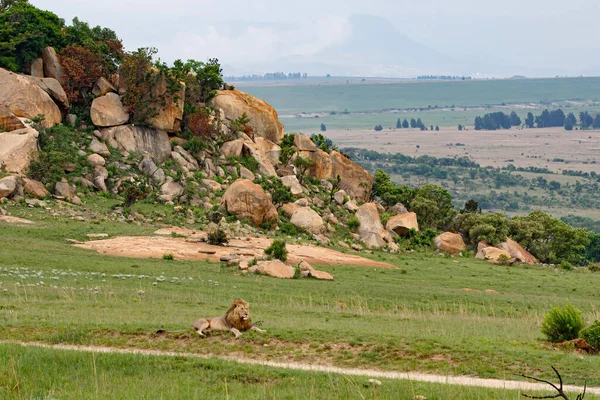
x: 546, y: 119
x: 444, y: 77
x: 269, y: 76
x: 414, y: 123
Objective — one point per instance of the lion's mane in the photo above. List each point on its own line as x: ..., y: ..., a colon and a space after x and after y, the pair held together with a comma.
x: 234, y: 319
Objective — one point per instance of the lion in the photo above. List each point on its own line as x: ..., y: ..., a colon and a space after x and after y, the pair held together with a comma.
x: 235, y: 320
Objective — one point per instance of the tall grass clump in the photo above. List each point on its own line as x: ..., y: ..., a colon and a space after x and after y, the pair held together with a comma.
x: 562, y: 323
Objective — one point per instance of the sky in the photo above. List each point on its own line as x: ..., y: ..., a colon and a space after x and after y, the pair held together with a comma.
x: 537, y: 37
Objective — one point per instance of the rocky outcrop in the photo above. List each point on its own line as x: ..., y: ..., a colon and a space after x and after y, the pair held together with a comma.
x: 37, y: 68
x: 102, y: 87
x: 263, y: 118
x: 292, y: 182
x: 35, y: 189
x: 9, y: 121
x: 451, y: 243
x: 108, y: 110
x: 308, y: 219
x: 340, y: 197
x: 270, y: 150
x: 232, y: 148
x: 170, y: 190
x: 52, y: 66
x: 308, y: 271
x: 247, y: 200
x: 274, y: 268
x: 138, y: 139
x: 17, y: 149
x: 517, y: 252
x: 169, y: 107
x: 63, y: 189
x: 98, y: 147
x: 26, y: 99
x: 492, y: 254
x: 53, y: 88
x: 8, y: 185
x: 250, y: 149
x: 398, y: 208
x: 149, y: 168
x: 354, y: 179
x: 371, y: 231
x: 403, y: 223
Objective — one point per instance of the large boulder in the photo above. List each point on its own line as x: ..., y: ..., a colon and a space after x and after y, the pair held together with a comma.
x: 292, y: 182
x: 451, y: 243
x: 275, y: 268
x: 321, y: 168
x: 35, y: 189
x: 138, y: 139
x: 170, y: 190
x: 151, y: 170
x: 264, y: 165
x: 17, y: 149
x: 102, y: 87
x: 270, y: 150
x: 233, y: 148
x: 308, y: 219
x: 52, y: 66
x: 63, y: 189
x: 168, y: 107
x: 108, y: 110
x: 403, y: 223
x: 398, y: 208
x: 263, y: 117
x: 26, y: 99
x: 8, y: 185
x: 53, y: 88
x: 37, y: 68
x: 354, y: 179
x: 370, y: 230
x: 493, y: 255
x: 9, y: 121
x: 247, y: 200
x: 517, y: 252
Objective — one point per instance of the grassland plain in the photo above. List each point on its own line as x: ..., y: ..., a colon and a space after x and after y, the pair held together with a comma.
x: 433, y: 314
x: 443, y: 103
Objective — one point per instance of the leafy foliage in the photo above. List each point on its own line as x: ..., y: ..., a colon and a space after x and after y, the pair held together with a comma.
x: 433, y: 206
x: 323, y: 143
x: 303, y: 164
x: 217, y: 237
x: 277, y: 250
x: 562, y: 323
x: 280, y: 194
x: 133, y: 190
x: 24, y: 31
x: 491, y: 228
x: 591, y: 335
x: 83, y: 67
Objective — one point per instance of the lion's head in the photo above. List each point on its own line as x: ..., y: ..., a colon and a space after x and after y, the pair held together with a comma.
x: 238, y: 315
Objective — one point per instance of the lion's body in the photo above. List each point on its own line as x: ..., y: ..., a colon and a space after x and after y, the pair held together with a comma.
x: 235, y: 320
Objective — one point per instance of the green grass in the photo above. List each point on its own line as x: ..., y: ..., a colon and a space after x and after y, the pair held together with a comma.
x: 418, y: 318
x: 43, y: 373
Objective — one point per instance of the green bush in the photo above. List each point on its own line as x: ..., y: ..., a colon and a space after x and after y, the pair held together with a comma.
x: 277, y: 250
x: 562, y: 323
x: 168, y: 257
x: 250, y: 163
x: 217, y: 237
x: 591, y: 335
x: 353, y: 223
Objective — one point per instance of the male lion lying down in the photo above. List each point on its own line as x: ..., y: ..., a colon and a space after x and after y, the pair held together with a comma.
x: 235, y: 320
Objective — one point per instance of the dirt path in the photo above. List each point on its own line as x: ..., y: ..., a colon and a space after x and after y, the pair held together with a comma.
x: 412, y: 376
x: 191, y: 248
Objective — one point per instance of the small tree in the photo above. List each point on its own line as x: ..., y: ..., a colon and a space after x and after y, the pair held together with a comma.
x: 405, y: 123
x: 303, y: 164
x: 398, y: 124
x: 323, y: 127
x: 378, y: 128
x: 460, y: 127
x: 277, y: 250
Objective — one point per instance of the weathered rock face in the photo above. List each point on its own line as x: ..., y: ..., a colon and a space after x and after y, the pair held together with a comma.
x: 53, y: 88
x: 26, y: 99
x: 8, y: 185
x: 517, y: 252
x: 63, y: 189
x: 493, y: 255
x: 8, y: 121
x: 264, y: 165
x: 270, y: 150
x: 398, y: 208
x: 149, y: 168
x: 448, y: 242
x: 17, y: 149
x: 309, y: 271
x: 309, y: 219
x: 354, y: 179
x: 263, y: 117
x: 102, y: 87
x: 340, y: 196
x: 371, y: 230
x: 96, y: 159
x: 170, y: 190
x: 35, y: 189
x: 52, y: 66
x: 247, y: 200
x: 276, y: 269
x: 321, y: 168
x: 292, y: 182
x: 37, y: 68
x: 98, y: 147
x: 108, y: 111
x: 246, y: 173
x: 170, y: 113
x: 138, y: 139
x: 403, y: 223
x: 233, y: 148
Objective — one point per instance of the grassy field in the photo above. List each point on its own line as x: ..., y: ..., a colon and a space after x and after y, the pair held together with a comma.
x: 42, y: 373
x: 440, y: 103
x: 446, y: 315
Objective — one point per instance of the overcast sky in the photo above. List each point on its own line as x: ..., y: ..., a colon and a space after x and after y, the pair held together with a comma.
x: 522, y: 33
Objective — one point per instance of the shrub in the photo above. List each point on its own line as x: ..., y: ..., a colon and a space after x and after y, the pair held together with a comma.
x: 168, y: 257
x: 133, y: 190
x: 215, y: 216
x: 280, y: 194
x: 277, y: 250
x: 217, y: 237
x: 591, y: 335
x: 353, y: 223
x: 562, y: 323
x: 250, y: 163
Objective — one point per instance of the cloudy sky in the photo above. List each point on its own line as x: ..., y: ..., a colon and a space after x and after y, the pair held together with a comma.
x: 548, y: 36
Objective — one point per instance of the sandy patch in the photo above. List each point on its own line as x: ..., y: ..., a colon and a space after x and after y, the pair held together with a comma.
x: 191, y: 249
x: 14, y: 220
